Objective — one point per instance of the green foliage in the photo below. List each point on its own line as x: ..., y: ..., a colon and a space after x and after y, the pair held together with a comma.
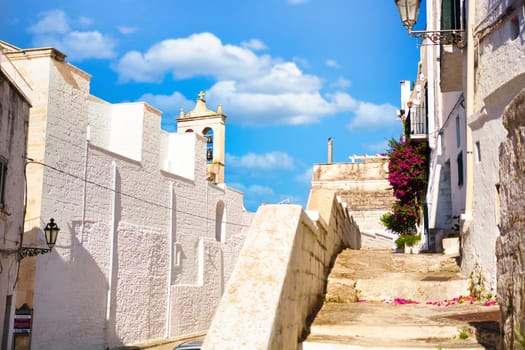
x: 407, y: 239
x: 463, y: 335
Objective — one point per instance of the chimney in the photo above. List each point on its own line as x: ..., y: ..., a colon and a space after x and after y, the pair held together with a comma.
x: 330, y: 150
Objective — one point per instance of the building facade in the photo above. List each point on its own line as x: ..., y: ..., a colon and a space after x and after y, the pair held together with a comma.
x: 146, y: 242
x: 15, y: 101
x: 469, y: 84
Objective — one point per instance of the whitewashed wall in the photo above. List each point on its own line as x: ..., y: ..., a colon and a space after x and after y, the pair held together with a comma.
x: 115, y: 275
x: 500, y: 76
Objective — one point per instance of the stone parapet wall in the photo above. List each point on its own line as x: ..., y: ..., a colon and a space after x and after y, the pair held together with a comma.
x: 510, y: 246
x: 279, y: 280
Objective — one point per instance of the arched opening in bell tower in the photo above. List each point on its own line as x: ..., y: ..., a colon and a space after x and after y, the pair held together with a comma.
x: 208, y: 134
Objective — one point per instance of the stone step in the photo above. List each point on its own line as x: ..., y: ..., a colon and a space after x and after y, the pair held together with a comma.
x: 415, y: 286
x: 375, y: 325
x: 380, y: 345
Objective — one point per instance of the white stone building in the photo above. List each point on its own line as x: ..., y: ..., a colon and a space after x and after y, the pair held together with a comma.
x: 15, y: 101
x: 146, y: 242
x: 469, y: 84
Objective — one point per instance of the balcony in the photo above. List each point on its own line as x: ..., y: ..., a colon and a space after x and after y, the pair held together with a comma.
x: 416, y: 124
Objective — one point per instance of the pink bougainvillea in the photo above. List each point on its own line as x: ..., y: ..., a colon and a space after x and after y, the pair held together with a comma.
x: 408, y: 176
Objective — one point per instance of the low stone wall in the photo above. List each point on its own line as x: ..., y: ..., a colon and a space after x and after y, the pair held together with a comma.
x: 510, y: 246
x: 279, y: 281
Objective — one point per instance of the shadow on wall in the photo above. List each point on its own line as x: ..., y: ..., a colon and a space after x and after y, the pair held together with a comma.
x: 70, y: 291
x: 90, y: 289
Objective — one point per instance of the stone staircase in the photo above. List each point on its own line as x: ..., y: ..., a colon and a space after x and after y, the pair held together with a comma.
x: 377, y: 299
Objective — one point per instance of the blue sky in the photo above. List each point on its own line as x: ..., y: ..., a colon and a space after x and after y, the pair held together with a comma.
x: 288, y: 73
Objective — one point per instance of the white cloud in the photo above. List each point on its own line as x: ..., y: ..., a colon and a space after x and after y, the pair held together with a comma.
x: 84, y: 21
x: 256, y: 89
x: 372, y: 116
x: 341, y: 83
x: 254, y: 44
x: 267, y: 161
x: 83, y: 45
x: 301, y: 62
x: 332, y: 63
x: 197, y: 55
x: 252, y: 190
x: 126, y: 30
x: 282, y: 77
x: 305, y: 177
x: 53, y: 21
x: 168, y: 103
x: 259, y: 190
x: 53, y: 29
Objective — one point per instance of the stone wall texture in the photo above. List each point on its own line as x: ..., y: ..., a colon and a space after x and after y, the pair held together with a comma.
x: 365, y: 189
x: 510, y: 247
x: 279, y: 281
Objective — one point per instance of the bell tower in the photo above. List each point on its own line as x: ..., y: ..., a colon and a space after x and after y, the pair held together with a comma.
x: 211, y: 125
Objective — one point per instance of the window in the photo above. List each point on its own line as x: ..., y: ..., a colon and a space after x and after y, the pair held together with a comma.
x: 3, y: 177
x: 514, y: 27
x: 220, y: 224
x: 450, y: 14
x: 478, y: 152
x: 459, y: 161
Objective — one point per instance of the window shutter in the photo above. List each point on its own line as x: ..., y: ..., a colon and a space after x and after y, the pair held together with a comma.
x: 460, y: 168
x: 450, y: 14
x: 3, y: 175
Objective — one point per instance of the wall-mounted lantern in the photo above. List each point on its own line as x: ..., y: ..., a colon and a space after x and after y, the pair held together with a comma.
x: 409, y: 12
x: 51, y: 234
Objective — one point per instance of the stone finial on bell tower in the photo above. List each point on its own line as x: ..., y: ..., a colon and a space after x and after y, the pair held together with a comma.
x: 210, y: 125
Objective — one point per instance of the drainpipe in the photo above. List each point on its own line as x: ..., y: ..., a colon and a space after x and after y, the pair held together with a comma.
x: 469, y: 190
x: 330, y: 150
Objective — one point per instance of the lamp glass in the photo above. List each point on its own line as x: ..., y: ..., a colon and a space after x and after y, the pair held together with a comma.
x: 408, y: 11
x: 51, y: 232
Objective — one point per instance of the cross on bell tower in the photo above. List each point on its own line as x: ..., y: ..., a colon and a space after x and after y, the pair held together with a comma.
x: 211, y: 125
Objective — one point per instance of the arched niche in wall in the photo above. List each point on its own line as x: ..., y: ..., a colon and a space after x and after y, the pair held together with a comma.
x: 220, y: 222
